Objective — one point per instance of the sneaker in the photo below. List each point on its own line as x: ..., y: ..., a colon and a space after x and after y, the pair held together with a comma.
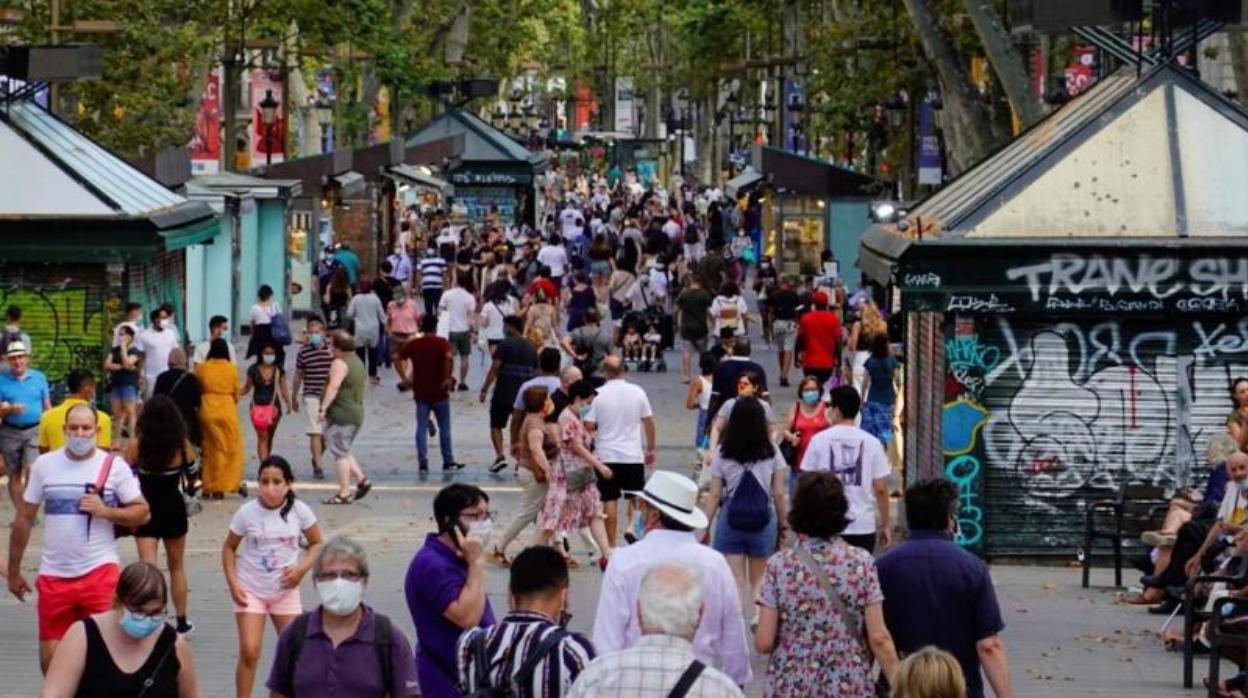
x: 452, y: 466
x: 186, y: 629
x: 318, y: 473
x: 500, y: 464
x: 463, y: 387
x: 784, y: 382
x: 1157, y: 539
x: 424, y: 466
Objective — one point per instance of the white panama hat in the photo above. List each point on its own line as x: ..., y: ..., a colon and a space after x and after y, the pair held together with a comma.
x: 676, y: 496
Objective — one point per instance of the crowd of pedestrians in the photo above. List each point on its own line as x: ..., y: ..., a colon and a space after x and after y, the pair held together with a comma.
x: 778, y: 540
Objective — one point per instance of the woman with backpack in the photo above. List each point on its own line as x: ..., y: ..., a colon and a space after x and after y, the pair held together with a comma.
x: 748, y: 491
x: 729, y: 310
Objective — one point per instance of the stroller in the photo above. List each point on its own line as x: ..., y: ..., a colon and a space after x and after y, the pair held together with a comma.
x: 650, y: 357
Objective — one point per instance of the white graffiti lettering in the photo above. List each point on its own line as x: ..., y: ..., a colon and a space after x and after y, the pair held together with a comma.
x: 1219, y: 276
x: 928, y: 280
x: 1218, y: 341
x: 1207, y: 305
x: 1073, y: 274
x: 978, y: 304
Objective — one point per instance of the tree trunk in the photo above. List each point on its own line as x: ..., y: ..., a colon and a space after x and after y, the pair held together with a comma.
x: 970, y: 131
x: 1006, y: 62
x: 1238, y: 42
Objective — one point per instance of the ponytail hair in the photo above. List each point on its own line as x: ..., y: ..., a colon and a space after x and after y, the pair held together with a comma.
x: 276, y: 461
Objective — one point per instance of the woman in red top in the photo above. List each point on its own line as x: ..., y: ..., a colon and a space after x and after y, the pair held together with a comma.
x: 809, y: 417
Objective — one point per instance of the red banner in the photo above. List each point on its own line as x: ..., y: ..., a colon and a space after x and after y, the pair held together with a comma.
x: 267, y: 144
x: 205, y: 143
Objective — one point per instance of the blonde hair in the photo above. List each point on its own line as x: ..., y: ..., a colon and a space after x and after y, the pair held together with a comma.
x: 872, y: 321
x: 1221, y: 447
x: 929, y: 673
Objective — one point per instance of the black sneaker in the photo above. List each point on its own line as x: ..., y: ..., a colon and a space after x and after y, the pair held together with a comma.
x: 463, y: 387
x: 500, y: 464
x: 784, y: 382
x: 186, y: 629
x: 318, y: 473
x: 424, y: 466
x: 452, y: 466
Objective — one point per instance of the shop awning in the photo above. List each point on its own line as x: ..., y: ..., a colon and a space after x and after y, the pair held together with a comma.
x: 63, y: 190
x: 748, y: 178
x: 420, y: 177
x: 351, y: 182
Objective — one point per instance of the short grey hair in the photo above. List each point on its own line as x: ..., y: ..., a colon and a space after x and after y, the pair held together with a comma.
x: 341, y: 548
x: 570, y: 375
x: 670, y: 600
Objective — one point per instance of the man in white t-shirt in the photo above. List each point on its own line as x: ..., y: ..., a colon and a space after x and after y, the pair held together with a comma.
x: 554, y: 256
x: 618, y: 416
x: 671, y: 228
x: 568, y: 218
x: 218, y: 328
x: 80, y: 567
x: 459, y: 306
x: 156, y: 342
x: 858, y: 459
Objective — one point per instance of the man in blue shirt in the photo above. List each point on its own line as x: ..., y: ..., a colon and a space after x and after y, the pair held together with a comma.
x: 24, y: 396
x: 350, y: 261
x: 936, y: 593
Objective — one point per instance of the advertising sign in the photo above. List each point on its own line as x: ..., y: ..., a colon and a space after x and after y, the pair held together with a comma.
x: 205, y: 145
x: 267, y: 144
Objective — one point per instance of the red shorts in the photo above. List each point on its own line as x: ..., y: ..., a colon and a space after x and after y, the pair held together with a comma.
x: 66, y: 600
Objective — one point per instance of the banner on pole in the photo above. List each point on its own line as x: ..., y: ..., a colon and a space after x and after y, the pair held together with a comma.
x: 205, y: 145
x: 625, y: 118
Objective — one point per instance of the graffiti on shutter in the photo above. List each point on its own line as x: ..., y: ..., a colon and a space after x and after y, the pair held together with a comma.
x: 1046, y: 416
x: 68, y: 311
x: 159, y: 280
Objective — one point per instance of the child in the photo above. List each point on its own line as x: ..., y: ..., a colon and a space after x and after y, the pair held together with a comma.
x: 653, y: 349
x: 264, y: 579
x: 632, y: 343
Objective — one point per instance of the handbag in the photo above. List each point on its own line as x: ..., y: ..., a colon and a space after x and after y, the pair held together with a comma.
x: 264, y: 416
x: 279, y: 329
x: 581, y: 478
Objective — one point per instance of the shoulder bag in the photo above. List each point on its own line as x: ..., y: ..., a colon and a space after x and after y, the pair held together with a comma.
x: 263, y: 416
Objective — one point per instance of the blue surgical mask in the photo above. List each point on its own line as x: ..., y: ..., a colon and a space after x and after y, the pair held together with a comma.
x: 139, y: 626
x: 315, y: 339
x: 269, y: 358
x: 810, y: 397
x: 584, y: 409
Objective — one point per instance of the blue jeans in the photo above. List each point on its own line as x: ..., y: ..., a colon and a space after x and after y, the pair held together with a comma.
x: 441, y: 410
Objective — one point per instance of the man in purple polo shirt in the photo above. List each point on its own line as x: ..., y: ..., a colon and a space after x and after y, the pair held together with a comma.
x: 445, y: 586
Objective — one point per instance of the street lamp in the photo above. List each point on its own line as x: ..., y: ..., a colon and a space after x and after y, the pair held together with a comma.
x: 896, y: 106
x: 268, y: 114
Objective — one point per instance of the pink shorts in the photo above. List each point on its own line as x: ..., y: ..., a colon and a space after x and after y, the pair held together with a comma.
x: 287, y: 603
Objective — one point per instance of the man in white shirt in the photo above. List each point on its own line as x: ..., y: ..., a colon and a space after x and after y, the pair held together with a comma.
x: 460, y: 306
x: 858, y: 459
x: 671, y: 515
x: 570, y: 222
x: 555, y: 257
x: 218, y: 328
x: 671, y: 228
x: 618, y: 416
x: 85, y: 492
x: 156, y: 342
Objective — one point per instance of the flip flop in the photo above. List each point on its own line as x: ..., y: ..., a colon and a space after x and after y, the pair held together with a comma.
x: 362, y: 489
x: 337, y: 499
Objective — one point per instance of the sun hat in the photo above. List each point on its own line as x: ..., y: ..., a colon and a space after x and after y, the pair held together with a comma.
x: 16, y: 348
x: 676, y: 496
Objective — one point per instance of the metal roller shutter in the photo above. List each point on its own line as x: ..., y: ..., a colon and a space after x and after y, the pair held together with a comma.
x: 1074, y: 409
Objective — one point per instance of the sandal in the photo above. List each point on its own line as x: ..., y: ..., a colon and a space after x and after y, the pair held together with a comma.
x: 363, y: 488
x: 338, y: 499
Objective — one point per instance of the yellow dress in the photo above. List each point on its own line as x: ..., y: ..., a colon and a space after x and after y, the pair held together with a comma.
x: 218, y: 418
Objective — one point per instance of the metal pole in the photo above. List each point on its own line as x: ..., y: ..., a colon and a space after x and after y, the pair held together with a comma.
x: 268, y: 147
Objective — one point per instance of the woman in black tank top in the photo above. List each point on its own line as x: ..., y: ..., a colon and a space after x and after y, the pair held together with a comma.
x: 128, y: 652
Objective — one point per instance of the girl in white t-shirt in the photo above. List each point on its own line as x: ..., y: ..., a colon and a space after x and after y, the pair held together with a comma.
x: 264, y: 577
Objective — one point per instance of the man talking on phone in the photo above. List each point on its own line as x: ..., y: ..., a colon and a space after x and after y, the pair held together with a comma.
x: 445, y: 585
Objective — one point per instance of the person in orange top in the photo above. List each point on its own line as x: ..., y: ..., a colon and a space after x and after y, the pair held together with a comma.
x: 218, y: 416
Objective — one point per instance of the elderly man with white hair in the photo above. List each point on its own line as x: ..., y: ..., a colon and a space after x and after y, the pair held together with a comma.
x: 671, y: 515
x: 662, y: 662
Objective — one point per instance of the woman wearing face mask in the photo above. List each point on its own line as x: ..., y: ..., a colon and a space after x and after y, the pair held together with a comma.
x: 403, y: 322
x: 572, y: 501
x: 261, y: 317
x: 808, y: 417
x: 116, y: 653
x: 267, y: 378
x: 264, y: 578
x: 340, y: 635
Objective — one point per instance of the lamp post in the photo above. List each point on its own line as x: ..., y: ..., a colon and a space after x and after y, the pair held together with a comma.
x: 268, y: 114
x: 324, y: 119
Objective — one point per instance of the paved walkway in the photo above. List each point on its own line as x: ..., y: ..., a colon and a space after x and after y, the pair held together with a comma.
x: 1063, y: 641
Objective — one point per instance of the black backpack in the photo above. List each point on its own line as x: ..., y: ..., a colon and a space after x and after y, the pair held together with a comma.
x: 382, y: 631
x: 514, y: 688
x: 748, y: 508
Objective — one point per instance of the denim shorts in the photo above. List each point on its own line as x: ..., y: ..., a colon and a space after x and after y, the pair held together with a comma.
x: 125, y: 393
x: 730, y: 541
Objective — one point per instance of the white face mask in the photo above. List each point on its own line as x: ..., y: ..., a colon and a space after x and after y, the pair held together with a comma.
x: 80, y: 445
x: 483, y: 530
x: 339, y: 596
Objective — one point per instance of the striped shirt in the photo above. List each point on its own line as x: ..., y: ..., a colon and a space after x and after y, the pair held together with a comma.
x: 650, y: 669
x: 313, y: 362
x: 432, y: 270
x: 510, y: 642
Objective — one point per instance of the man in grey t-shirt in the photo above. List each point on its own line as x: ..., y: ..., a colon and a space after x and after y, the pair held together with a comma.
x: 588, y: 344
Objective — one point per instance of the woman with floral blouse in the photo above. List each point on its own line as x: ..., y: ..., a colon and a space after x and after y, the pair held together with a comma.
x: 821, y: 646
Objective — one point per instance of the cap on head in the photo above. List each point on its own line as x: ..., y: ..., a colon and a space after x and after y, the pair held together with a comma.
x: 821, y: 298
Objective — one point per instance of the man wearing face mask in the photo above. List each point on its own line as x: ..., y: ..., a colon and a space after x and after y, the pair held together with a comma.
x: 343, y: 647
x: 445, y: 586
x: 86, y: 492
x: 530, y: 647
x: 156, y: 342
x: 936, y: 593
x: 218, y: 328
x: 312, y: 365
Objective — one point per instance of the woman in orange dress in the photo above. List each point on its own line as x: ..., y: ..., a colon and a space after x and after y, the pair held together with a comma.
x: 218, y: 416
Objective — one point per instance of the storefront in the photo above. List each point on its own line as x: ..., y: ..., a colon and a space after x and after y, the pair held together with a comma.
x: 1073, y: 309
x: 809, y: 206
x: 485, y: 190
